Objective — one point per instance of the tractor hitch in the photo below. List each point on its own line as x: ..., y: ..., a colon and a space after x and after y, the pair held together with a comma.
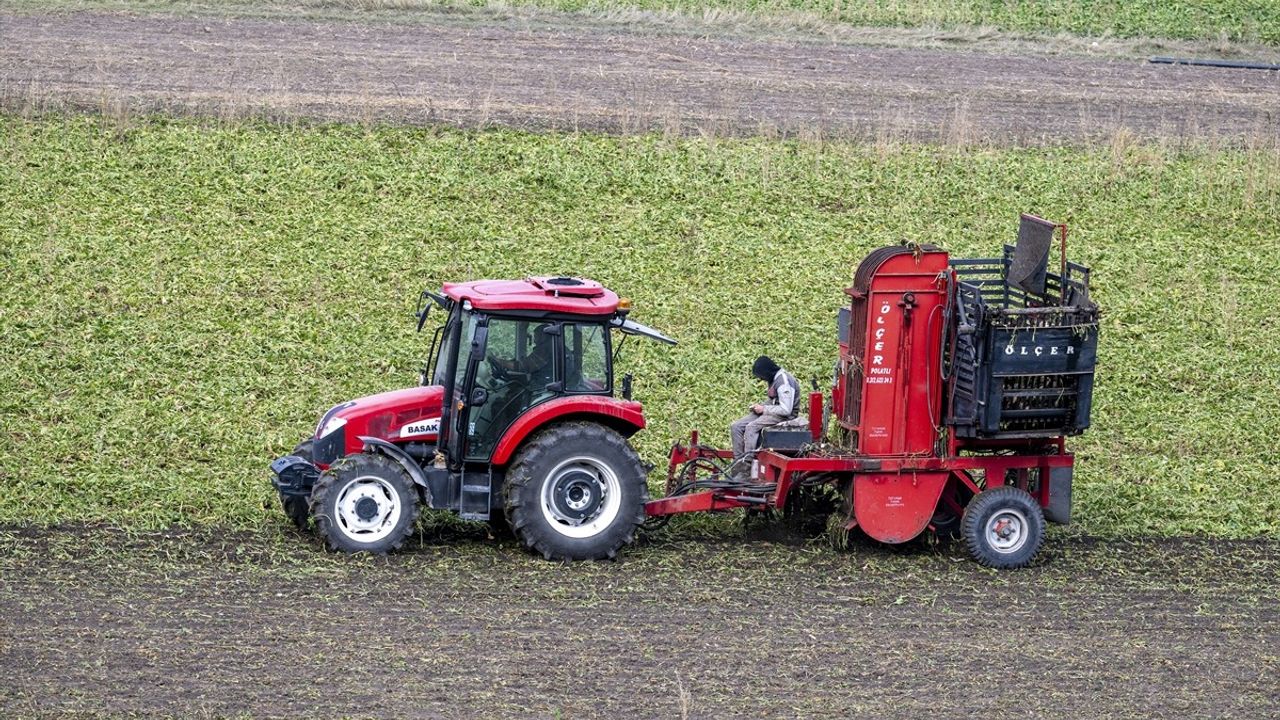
x: 294, y: 476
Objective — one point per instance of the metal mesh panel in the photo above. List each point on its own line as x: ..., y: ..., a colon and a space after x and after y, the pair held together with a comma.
x: 1030, y: 261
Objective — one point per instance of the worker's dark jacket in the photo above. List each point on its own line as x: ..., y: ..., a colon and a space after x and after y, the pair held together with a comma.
x: 784, y: 395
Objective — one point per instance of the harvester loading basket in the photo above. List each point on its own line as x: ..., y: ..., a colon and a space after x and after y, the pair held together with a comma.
x: 1023, y: 362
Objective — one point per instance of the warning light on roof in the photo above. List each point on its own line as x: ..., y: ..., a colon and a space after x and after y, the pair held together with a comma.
x: 624, y: 304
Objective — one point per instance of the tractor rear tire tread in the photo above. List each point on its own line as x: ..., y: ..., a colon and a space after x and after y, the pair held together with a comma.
x: 522, y: 493
x: 979, y: 511
x: 345, y: 469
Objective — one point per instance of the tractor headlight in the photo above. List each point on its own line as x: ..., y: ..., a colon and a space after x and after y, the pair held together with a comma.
x: 333, y: 425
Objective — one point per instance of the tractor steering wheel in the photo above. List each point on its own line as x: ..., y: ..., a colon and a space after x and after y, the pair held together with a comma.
x: 496, y: 367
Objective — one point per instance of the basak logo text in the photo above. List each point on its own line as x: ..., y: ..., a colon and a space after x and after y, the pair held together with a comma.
x: 424, y: 426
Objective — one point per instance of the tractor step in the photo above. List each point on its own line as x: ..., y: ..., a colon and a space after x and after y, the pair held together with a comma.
x: 474, y: 503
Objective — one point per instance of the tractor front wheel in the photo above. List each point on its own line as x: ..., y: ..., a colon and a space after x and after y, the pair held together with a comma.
x: 576, y: 492
x: 365, y: 503
x: 1003, y: 527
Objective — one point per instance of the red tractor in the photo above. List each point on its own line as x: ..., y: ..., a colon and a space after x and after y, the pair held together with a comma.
x: 515, y: 415
x: 957, y: 384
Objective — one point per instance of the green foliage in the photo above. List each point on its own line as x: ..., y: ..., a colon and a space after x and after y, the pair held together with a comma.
x: 181, y: 301
x: 1237, y: 20
x: 1249, y: 20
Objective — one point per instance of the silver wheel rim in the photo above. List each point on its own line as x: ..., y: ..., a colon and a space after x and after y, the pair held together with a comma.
x: 353, y: 509
x: 574, y: 480
x: 1007, y: 531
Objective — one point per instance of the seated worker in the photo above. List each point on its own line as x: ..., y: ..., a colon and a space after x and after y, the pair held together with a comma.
x: 537, y: 363
x: 781, y: 406
x: 514, y: 384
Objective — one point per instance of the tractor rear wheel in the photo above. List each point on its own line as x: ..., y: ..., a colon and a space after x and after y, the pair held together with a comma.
x: 1003, y: 527
x: 365, y: 503
x: 576, y: 492
x: 297, y: 508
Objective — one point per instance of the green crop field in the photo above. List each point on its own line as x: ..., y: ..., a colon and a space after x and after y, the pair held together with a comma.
x: 1235, y: 20
x: 1249, y: 20
x: 181, y: 300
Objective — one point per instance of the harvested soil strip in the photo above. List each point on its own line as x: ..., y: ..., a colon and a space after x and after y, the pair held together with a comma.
x: 187, y: 625
x: 591, y: 79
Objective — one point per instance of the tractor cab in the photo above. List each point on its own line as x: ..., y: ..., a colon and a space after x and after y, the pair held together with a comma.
x: 508, y: 347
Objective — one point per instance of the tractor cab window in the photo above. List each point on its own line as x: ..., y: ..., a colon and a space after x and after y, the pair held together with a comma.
x: 519, y: 370
x: 470, y: 322
x: 586, y: 358
x: 441, y: 370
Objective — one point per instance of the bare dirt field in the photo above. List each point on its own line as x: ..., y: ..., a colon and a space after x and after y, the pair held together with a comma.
x: 94, y: 622
x: 600, y: 77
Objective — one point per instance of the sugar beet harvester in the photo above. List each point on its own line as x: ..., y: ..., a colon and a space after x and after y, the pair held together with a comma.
x: 956, y: 386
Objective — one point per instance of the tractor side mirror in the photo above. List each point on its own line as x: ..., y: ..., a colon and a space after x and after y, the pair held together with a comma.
x: 479, y: 396
x: 424, y: 309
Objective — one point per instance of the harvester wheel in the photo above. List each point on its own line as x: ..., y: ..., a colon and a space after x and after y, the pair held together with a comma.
x: 808, y: 508
x: 1003, y: 527
x: 297, y: 508
x: 364, y: 503
x: 576, y: 492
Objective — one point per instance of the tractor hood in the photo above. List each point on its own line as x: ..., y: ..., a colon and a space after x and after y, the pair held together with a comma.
x: 412, y: 414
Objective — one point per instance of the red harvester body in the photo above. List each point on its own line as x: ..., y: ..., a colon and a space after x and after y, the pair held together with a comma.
x: 956, y: 386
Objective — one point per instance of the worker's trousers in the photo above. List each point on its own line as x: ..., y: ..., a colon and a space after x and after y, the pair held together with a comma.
x: 746, y: 432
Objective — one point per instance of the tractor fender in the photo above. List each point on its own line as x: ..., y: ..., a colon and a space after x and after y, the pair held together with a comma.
x: 411, y: 466
x: 625, y: 416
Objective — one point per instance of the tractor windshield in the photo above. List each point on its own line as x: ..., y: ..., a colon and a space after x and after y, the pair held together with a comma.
x: 447, y: 345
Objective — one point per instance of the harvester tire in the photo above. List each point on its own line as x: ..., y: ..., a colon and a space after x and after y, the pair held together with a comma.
x: 365, y: 503
x: 1003, y: 527
x: 298, y: 509
x: 576, y: 491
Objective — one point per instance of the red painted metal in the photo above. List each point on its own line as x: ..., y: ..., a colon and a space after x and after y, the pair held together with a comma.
x: 706, y: 501
x: 681, y: 454
x: 816, y: 404
x: 624, y: 415
x: 536, y: 293
x: 900, y: 391
x: 895, y: 507
x: 387, y: 414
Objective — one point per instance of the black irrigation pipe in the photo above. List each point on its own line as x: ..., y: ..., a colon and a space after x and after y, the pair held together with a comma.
x: 1235, y: 64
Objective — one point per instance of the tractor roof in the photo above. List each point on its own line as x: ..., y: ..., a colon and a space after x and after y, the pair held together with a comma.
x: 578, y: 296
